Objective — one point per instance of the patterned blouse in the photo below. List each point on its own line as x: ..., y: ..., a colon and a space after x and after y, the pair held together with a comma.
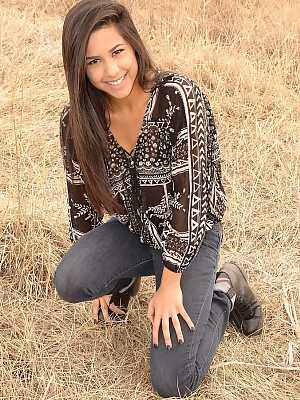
x: 170, y: 184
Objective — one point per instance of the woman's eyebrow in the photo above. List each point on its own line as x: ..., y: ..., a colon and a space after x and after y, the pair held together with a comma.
x: 120, y: 44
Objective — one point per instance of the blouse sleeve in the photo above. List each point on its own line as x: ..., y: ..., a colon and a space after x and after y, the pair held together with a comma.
x: 82, y: 215
x: 185, y: 229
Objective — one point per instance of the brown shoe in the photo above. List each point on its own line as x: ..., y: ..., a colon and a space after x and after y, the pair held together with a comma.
x: 120, y: 297
x: 247, y: 313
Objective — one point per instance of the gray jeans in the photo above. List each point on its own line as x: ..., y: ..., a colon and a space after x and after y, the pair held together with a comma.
x: 98, y: 260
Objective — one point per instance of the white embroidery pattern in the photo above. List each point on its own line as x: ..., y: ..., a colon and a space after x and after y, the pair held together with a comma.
x: 171, y: 184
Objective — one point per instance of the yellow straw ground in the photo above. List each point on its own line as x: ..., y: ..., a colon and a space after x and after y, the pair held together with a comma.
x: 245, y: 55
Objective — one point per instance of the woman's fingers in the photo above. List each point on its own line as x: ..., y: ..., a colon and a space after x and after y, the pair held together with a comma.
x: 95, y: 309
x: 107, y: 298
x: 165, y: 321
x: 187, y: 319
x: 112, y: 306
x: 166, y: 332
x: 116, y: 309
x: 177, y: 328
x: 104, y: 308
x: 155, y: 330
x: 104, y: 303
x: 150, y: 313
x: 165, y: 329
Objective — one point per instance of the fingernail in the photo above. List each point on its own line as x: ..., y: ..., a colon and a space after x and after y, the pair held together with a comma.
x: 168, y: 347
x: 192, y: 328
x: 155, y: 345
x: 180, y: 341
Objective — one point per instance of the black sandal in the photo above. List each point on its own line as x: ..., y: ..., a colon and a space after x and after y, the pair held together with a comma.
x: 120, y: 297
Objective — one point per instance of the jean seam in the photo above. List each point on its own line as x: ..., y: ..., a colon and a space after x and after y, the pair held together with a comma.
x: 191, y: 390
x: 195, y: 336
x: 208, y: 291
x: 126, y: 270
x: 208, y: 352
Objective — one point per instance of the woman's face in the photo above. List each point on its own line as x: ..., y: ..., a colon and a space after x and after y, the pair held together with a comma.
x: 111, y: 64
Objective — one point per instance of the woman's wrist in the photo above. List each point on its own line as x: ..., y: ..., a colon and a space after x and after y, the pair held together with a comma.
x: 170, y: 278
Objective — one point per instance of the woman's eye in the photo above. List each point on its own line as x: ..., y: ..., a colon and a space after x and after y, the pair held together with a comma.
x: 93, y: 61
x: 118, y: 51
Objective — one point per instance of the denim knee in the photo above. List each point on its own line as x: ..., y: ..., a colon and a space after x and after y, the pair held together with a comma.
x: 67, y: 282
x: 171, y: 379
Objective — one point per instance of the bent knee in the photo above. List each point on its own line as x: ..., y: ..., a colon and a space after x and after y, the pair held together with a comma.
x: 67, y: 283
x: 172, y: 380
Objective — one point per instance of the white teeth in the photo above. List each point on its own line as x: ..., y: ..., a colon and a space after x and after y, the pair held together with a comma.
x: 116, y: 82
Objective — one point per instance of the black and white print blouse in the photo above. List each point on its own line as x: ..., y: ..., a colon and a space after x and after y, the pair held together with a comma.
x: 170, y: 185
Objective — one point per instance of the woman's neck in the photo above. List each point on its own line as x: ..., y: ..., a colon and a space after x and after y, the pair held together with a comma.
x: 129, y: 104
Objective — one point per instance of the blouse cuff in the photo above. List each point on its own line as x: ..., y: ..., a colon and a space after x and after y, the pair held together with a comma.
x: 170, y: 266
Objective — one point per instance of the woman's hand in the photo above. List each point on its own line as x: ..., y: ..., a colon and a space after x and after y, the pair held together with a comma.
x: 167, y: 303
x: 103, y: 303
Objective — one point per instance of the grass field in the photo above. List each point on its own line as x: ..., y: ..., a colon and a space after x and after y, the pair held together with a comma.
x: 245, y: 55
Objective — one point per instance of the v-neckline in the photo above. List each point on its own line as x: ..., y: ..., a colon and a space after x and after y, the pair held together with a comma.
x: 147, y: 109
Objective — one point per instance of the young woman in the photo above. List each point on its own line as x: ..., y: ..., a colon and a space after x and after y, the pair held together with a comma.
x: 140, y: 144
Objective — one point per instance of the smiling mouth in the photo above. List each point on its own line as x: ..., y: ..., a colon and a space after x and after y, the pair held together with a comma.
x: 117, y: 82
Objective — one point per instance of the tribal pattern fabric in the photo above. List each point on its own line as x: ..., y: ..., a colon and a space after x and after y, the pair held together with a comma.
x: 170, y: 184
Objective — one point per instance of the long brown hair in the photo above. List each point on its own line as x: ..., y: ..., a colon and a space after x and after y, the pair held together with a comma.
x: 87, y: 126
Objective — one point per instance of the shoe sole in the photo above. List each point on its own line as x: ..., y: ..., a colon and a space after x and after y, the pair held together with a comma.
x: 239, y: 328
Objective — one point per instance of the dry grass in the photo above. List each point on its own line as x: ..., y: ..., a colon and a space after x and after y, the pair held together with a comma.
x: 245, y: 54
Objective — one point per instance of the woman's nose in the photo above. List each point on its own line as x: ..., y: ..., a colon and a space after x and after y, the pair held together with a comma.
x: 111, y: 70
